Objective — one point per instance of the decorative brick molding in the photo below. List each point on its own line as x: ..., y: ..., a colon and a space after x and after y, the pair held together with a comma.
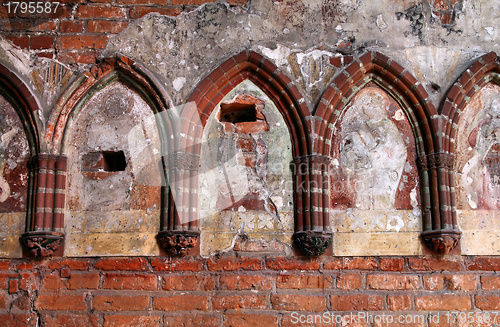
x: 178, y: 243
x: 312, y: 243
x: 484, y: 70
x: 42, y: 244
x: 45, y: 219
x: 276, y: 84
x: 435, y: 165
x: 441, y: 241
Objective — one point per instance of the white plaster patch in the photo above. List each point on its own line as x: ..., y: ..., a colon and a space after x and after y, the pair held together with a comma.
x: 178, y: 83
x: 395, y: 223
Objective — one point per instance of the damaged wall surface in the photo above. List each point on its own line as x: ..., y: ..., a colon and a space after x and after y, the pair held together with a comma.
x: 191, y: 162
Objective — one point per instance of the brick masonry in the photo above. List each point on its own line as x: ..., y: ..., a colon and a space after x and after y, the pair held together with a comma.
x: 209, y: 292
x: 52, y: 65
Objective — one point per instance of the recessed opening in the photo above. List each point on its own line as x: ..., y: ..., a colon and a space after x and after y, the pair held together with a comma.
x: 110, y: 161
x: 114, y: 161
x: 238, y: 113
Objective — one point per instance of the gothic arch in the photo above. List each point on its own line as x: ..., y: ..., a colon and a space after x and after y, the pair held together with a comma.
x: 434, y: 167
x: 484, y: 70
x: 210, y: 91
x: 24, y: 102
x: 110, y: 70
x: 120, y: 69
x: 13, y: 89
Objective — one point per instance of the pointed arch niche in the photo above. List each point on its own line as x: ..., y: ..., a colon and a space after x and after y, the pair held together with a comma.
x: 242, y: 110
x: 18, y: 142
x: 375, y: 112
x: 245, y: 182
x: 472, y: 107
x: 112, y: 138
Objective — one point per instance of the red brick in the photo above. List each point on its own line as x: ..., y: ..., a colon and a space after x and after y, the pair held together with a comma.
x: 69, y: 320
x: 188, y: 283
x: 4, y: 265
x: 131, y: 320
x: 138, y: 12
x: 3, y: 300
x: 74, y: 264
x: 139, y: 264
x: 248, y: 319
x: 484, y: 263
x: 283, y: 263
x: 460, y: 282
x: 130, y: 282
x: 246, y: 282
x: 71, y: 27
x: 433, y: 282
x: 432, y: 264
x: 105, y: 26
x: 41, y: 42
x: 181, y: 303
x: 488, y: 302
x: 20, y: 41
x: 141, y: 2
x: 53, y: 282
x: 326, y: 319
x: 349, y: 282
x: 303, y: 281
x: 392, y: 264
x: 13, y: 286
x: 75, y: 42
x: 357, y: 302
x: 392, y: 282
x: 190, y: 2
x: 234, y: 263
x: 60, y: 302
x: 360, y: 263
x: 120, y: 303
x: 86, y: 57
x: 100, y: 11
x: 17, y: 320
x: 236, y: 302
x: 399, y: 302
x: 443, y: 302
x: 298, y: 302
x: 334, y: 264
x: 87, y: 280
x: 188, y: 264
x: 490, y: 282
x: 193, y: 320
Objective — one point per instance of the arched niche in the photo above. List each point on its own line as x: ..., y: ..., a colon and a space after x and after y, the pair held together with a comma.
x: 374, y: 183
x: 14, y: 179
x: 245, y: 181
x: 477, y: 163
x: 113, y: 189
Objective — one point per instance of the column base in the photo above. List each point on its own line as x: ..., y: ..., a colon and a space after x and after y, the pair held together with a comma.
x: 41, y: 244
x: 312, y: 243
x: 441, y: 241
x: 178, y: 243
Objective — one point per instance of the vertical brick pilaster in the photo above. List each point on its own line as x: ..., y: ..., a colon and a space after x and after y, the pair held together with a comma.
x: 312, y: 234
x: 44, y: 233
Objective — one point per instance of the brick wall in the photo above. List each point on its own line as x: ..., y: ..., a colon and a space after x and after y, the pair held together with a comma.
x: 79, y: 29
x: 247, y: 290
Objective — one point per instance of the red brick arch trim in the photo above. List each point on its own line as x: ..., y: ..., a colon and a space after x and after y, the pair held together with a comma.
x: 484, y: 70
x: 434, y: 168
x: 395, y: 80
x: 101, y: 75
x: 212, y: 89
x: 260, y: 70
x: 24, y: 102
x: 72, y: 101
